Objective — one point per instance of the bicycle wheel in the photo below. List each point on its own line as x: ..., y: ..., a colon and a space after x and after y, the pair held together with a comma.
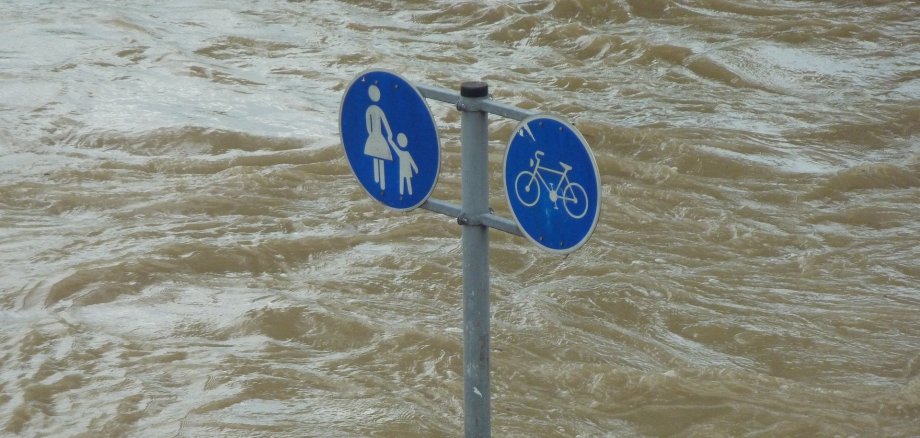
x: 575, y: 200
x: 527, y: 188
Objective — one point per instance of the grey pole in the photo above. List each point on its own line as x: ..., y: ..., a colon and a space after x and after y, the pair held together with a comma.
x: 474, y: 136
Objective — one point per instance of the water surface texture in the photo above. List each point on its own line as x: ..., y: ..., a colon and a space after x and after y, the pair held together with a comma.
x: 185, y: 252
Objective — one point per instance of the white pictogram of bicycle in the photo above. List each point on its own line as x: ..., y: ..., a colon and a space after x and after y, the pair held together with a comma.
x: 527, y: 188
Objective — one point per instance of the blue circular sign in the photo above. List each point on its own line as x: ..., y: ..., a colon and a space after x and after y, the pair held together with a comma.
x: 552, y: 183
x: 390, y: 139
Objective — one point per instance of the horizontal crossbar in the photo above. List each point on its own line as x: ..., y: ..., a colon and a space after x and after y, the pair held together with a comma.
x: 488, y: 220
x: 487, y: 105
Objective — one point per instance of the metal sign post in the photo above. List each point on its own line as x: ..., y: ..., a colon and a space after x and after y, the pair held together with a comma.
x: 474, y: 163
x: 384, y: 125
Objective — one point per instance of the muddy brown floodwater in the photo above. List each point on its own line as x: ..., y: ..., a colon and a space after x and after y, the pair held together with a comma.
x: 185, y: 252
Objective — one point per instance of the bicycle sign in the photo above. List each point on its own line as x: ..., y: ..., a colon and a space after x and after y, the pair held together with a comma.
x: 548, y: 163
x: 527, y: 188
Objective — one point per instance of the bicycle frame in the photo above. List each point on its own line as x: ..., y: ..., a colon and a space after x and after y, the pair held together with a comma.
x: 563, y: 180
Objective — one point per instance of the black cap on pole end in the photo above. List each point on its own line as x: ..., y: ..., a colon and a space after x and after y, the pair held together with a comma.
x: 474, y: 89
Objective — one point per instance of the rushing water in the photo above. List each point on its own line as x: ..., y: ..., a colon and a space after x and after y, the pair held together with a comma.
x: 185, y: 252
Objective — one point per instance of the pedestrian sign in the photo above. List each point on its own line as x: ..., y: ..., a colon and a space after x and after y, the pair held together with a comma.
x: 552, y: 183
x: 390, y: 139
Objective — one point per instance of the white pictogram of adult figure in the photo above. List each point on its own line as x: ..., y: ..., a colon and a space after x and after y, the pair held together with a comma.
x: 378, y: 146
x: 407, y: 166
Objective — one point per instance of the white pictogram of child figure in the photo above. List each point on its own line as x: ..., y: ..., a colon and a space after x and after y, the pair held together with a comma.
x: 407, y: 166
x: 378, y: 146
